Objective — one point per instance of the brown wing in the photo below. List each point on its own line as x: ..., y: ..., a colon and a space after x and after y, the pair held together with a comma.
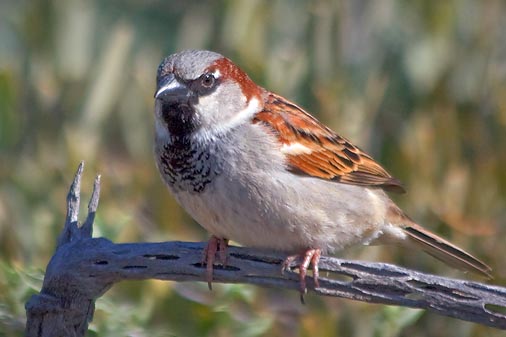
x: 315, y: 150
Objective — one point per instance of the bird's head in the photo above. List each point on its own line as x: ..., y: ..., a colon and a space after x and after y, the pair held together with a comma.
x: 199, y: 90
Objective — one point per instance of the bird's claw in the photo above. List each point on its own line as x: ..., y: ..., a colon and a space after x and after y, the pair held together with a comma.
x: 310, y: 257
x: 214, y: 245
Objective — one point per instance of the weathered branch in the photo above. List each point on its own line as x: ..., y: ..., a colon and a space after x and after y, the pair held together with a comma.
x: 84, y: 268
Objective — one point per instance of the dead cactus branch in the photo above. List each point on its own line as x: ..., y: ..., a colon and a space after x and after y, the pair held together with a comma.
x: 84, y: 268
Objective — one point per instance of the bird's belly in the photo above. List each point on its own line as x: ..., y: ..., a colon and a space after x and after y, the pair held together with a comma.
x: 225, y: 214
x: 286, y: 215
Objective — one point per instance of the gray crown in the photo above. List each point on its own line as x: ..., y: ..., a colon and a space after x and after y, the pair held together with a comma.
x: 188, y: 64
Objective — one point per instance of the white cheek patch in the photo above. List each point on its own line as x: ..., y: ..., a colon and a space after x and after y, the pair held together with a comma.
x: 294, y: 149
x: 245, y: 114
x: 241, y: 116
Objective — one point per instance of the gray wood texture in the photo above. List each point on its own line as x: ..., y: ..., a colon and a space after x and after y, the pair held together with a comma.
x: 84, y: 268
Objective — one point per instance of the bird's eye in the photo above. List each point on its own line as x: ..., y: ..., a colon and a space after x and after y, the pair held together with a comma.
x: 207, y: 80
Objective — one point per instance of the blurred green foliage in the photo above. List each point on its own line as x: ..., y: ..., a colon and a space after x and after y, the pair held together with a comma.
x: 421, y: 85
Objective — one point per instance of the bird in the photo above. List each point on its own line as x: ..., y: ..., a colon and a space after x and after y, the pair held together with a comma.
x: 253, y: 167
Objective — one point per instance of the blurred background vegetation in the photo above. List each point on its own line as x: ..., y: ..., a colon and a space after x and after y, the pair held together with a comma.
x: 421, y: 85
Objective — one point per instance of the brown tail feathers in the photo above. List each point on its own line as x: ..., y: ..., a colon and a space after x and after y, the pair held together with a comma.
x: 446, y: 251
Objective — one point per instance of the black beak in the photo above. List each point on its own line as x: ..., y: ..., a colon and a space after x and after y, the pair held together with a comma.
x: 169, y: 89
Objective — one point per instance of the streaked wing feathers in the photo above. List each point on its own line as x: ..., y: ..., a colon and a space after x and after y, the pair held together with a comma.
x: 315, y: 150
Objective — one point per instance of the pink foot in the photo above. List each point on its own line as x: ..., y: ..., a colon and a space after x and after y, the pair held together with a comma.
x: 213, y: 246
x: 309, y: 257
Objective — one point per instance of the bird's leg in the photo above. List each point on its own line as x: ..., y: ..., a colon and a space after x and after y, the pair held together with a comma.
x: 213, y: 246
x: 309, y: 257
x: 223, y: 245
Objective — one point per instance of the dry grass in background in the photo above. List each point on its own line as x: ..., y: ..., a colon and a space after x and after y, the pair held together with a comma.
x: 421, y: 85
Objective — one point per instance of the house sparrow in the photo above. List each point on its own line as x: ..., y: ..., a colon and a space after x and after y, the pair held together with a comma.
x: 253, y: 167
